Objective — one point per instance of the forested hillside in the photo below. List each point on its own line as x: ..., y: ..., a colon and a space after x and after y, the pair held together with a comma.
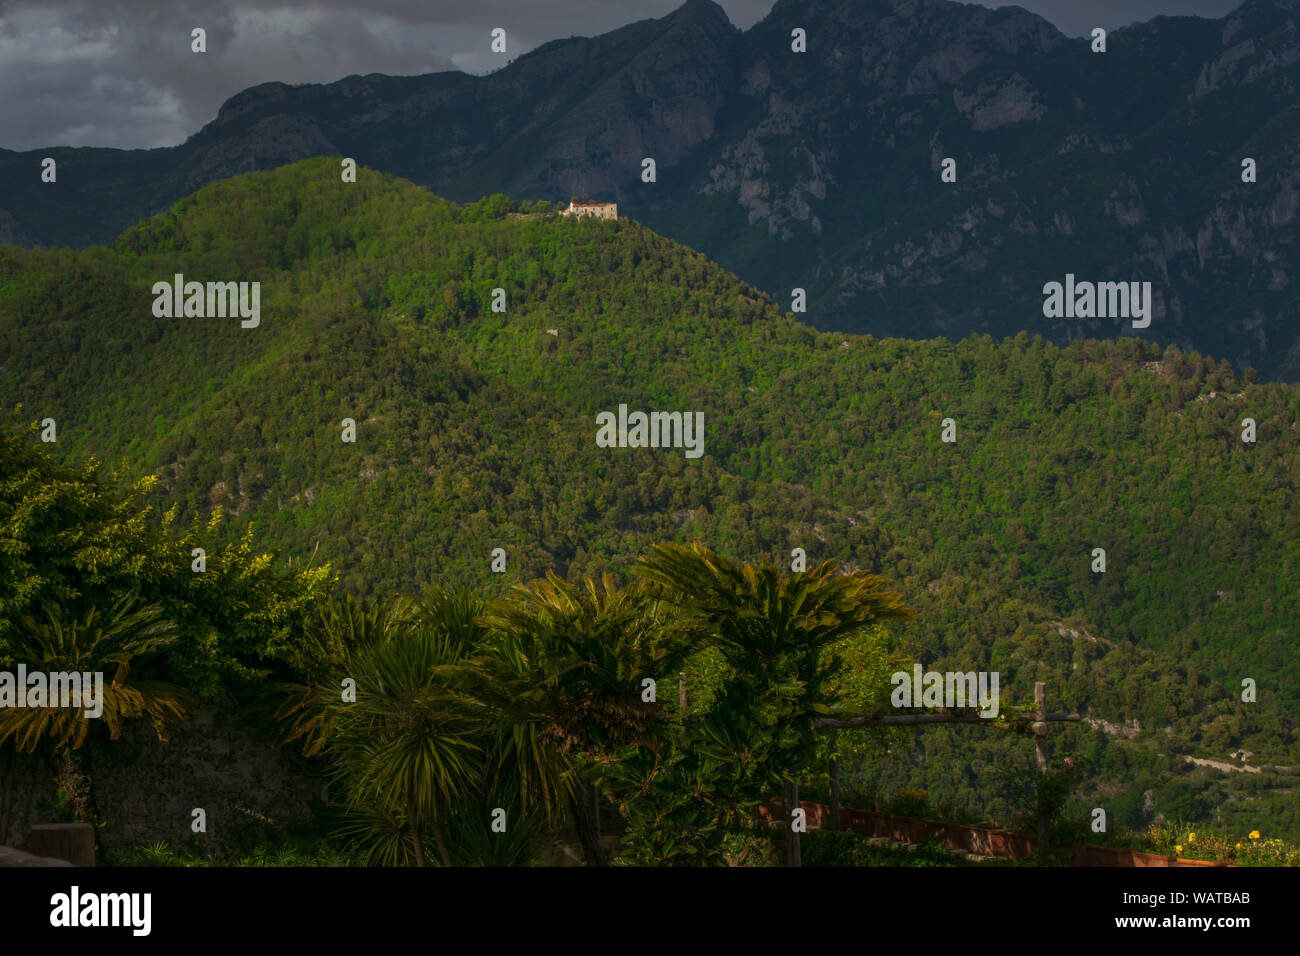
x: 476, y: 429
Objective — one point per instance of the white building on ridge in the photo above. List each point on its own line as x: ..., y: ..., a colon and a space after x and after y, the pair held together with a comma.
x: 600, y: 210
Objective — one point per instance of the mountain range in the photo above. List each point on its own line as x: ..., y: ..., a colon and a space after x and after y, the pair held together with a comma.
x: 822, y: 170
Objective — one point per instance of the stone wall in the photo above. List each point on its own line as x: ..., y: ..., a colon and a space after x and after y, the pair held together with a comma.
x: 251, y: 789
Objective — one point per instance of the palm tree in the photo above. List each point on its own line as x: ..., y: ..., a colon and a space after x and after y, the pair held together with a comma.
x: 565, y: 674
x: 410, y: 746
x: 776, y: 629
x: 512, y: 686
x: 336, y: 637
x: 405, y: 744
x: 762, y: 613
x: 97, y: 641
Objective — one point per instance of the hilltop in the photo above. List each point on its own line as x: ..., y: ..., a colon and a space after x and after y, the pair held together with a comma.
x: 476, y: 429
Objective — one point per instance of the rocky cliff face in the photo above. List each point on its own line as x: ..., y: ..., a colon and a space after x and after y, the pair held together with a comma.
x: 822, y: 170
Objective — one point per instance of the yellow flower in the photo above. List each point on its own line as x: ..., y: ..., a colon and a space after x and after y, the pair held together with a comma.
x: 1191, y: 838
x: 1238, y: 846
x: 1178, y: 848
x: 1254, y: 834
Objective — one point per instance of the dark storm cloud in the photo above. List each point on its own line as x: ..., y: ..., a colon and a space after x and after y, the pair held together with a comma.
x: 120, y: 72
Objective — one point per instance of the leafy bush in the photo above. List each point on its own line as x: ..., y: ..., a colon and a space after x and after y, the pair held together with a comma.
x: 162, y: 854
x: 844, y: 848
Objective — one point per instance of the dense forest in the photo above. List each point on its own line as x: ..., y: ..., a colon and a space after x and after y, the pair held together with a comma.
x: 475, y: 430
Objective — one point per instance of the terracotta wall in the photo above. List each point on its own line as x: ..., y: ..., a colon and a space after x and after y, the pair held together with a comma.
x: 978, y: 840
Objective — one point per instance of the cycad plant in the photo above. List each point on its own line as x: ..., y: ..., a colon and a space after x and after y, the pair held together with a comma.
x: 108, y: 641
x: 336, y: 636
x: 565, y: 674
x: 776, y: 630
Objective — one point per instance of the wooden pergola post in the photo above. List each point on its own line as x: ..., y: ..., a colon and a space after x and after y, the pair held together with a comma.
x: 792, y: 854
x: 1040, y: 745
x: 1035, y: 723
x: 835, y: 793
x: 681, y: 698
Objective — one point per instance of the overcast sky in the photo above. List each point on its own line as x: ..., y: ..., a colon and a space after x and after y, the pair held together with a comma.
x: 120, y: 72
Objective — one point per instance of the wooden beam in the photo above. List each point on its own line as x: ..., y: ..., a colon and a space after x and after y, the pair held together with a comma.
x: 835, y: 793
x: 681, y: 698
x: 1039, y: 726
x: 1022, y: 722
